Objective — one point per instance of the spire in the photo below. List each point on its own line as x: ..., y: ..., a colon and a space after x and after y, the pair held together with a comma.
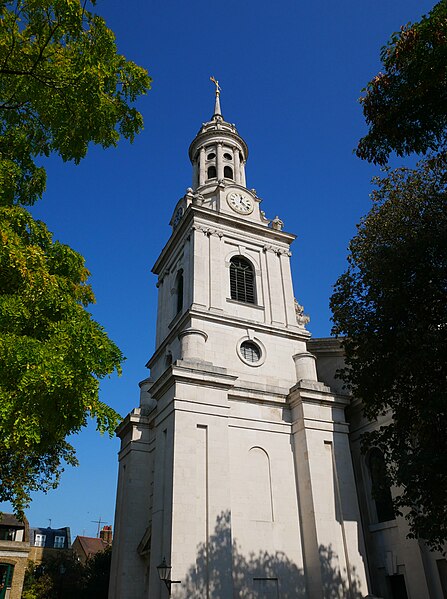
x: 217, y: 111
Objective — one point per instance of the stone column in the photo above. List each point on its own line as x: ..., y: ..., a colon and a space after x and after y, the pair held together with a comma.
x: 200, y: 293
x: 237, y: 165
x: 195, y: 174
x: 215, y: 268
x: 160, y: 292
x: 219, y: 161
x: 289, y: 304
x: 243, y: 181
x: 202, y: 175
x: 275, y: 287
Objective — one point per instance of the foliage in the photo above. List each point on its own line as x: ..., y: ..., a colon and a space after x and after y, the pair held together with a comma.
x: 60, y: 575
x: 52, y: 354
x: 97, y: 575
x: 391, y: 305
x: 62, y: 86
x: 405, y: 106
x: 64, y: 576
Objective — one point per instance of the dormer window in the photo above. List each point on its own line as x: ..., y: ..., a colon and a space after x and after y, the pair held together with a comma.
x: 228, y: 172
x: 59, y: 542
x: 212, y: 173
x: 242, y: 280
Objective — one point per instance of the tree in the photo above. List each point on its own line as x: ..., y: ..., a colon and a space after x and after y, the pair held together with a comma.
x: 97, y: 575
x: 62, y: 86
x: 405, y: 106
x: 391, y: 306
x: 52, y: 354
x: 63, y: 575
x: 60, y: 575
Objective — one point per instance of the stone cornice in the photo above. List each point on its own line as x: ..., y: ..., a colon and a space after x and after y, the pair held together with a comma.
x: 259, y: 327
x: 137, y: 416
x: 205, y: 219
x: 211, y: 133
x: 197, y: 374
x: 317, y: 393
x: 327, y: 346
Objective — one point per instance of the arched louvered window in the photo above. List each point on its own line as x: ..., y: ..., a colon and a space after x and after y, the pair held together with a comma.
x: 212, y: 172
x: 179, y: 289
x: 228, y: 172
x: 380, y: 488
x: 242, y: 280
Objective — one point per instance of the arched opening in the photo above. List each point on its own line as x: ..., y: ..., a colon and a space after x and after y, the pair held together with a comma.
x: 242, y: 280
x: 212, y: 173
x: 381, y: 493
x: 179, y: 291
x: 228, y: 172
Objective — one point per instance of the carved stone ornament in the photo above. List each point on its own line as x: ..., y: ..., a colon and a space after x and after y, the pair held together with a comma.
x: 301, y: 318
x: 208, y: 231
x: 197, y: 199
x: 276, y: 250
x: 263, y: 216
x: 277, y: 224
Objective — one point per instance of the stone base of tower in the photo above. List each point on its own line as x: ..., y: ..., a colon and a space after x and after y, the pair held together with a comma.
x: 251, y: 492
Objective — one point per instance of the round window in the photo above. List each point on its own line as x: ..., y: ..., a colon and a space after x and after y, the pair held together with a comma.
x: 228, y: 156
x: 250, y: 351
x: 211, y: 156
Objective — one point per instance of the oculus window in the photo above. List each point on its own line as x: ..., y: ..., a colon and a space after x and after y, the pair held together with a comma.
x: 250, y: 351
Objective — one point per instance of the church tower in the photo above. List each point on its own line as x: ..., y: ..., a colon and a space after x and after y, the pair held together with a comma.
x: 236, y: 466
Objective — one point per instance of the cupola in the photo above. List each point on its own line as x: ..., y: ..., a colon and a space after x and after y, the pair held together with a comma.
x: 218, y: 152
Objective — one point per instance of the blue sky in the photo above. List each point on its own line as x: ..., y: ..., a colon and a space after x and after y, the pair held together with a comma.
x: 291, y: 74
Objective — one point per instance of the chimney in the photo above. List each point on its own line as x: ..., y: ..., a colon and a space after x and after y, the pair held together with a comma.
x: 106, y: 534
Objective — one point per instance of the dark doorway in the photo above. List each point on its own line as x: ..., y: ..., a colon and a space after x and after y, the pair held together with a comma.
x: 396, y: 586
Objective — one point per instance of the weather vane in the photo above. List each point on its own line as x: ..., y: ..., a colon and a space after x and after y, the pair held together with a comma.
x: 216, y: 83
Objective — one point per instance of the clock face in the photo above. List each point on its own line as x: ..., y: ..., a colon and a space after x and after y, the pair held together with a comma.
x: 240, y: 202
x: 178, y: 216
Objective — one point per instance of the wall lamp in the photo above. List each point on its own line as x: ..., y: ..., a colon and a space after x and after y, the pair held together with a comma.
x: 164, y: 573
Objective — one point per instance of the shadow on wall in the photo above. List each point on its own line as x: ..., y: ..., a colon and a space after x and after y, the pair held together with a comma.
x: 222, y: 571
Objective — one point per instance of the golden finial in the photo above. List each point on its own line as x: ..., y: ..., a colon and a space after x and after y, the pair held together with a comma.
x: 216, y: 83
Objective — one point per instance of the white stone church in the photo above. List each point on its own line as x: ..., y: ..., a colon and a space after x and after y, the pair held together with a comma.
x: 241, y: 467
